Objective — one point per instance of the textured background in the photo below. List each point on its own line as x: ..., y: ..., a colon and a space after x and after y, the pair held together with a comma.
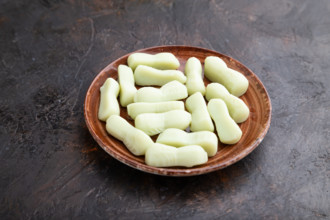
x: 50, y: 166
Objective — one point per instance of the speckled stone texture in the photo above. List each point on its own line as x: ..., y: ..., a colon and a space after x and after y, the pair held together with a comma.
x: 50, y: 166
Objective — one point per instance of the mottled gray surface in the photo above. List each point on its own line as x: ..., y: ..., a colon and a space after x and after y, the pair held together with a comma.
x: 50, y: 166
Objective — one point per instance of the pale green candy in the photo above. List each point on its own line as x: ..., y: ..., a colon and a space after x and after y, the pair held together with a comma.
x: 134, y: 139
x: 161, y: 61
x: 137, y: 108
x: 127, y: 87
x: 216, y: 70
x: 154, y: 123
x: 193, y: 71
x: 228, y: 131
x: 149, y: 76
x: 238, y: 110
x: 108, y: 99
x: 200, y: 118
x: 178, y: 138
x: 171, y: 91
x: 160, y: 155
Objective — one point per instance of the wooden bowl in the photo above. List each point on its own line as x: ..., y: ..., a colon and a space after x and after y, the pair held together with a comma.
x: 254, y: 128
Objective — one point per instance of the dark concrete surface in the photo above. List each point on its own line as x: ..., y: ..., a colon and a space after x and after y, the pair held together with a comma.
x: 50, y: 166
